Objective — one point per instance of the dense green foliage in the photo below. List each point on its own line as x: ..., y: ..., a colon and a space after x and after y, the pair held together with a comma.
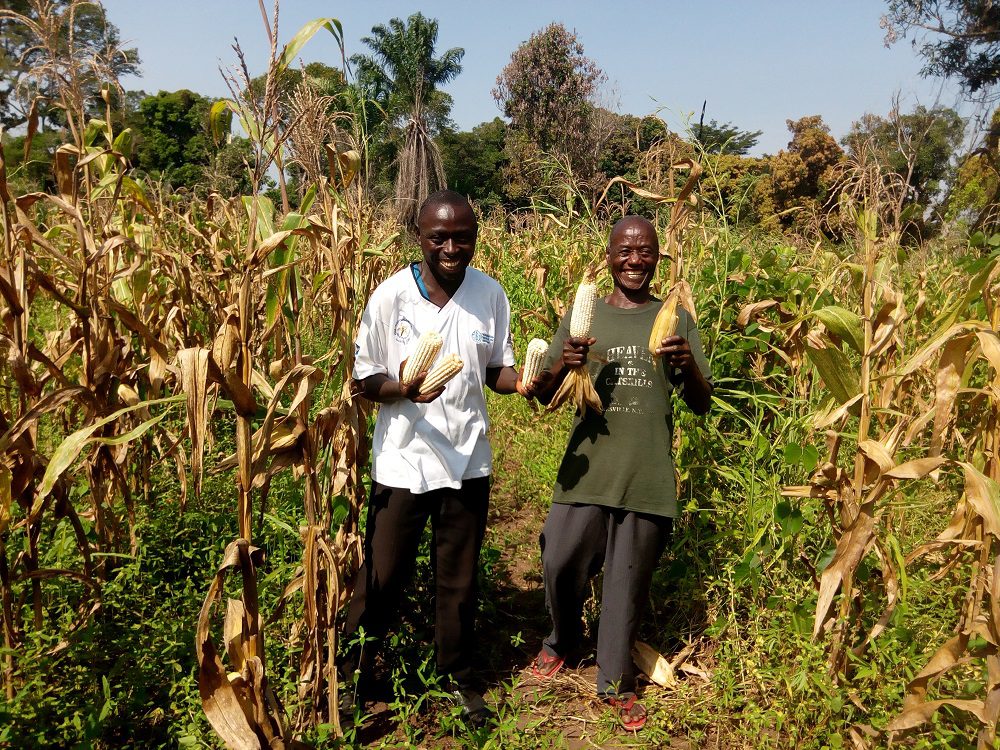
x: 724, y: 138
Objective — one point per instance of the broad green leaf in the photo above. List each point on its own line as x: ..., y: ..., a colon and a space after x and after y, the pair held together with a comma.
x: 123, y: 142
x: 307, y: 200
x: 951, y: 314
x: 836, y: 371
x: 843, y: 323
x: 219, y: 117
x: 283, y: 254
x: 70, y: 448
x: 265, y: 214
x: 303, y: 35
x: 135, y: 189
x: 793, y: 454
x: 91, y: 132
x: 789, y: 519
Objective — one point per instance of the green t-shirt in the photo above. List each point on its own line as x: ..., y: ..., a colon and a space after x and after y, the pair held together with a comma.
x: 622, y: 458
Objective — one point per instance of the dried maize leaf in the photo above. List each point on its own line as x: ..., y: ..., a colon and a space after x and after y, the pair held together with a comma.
x: 194, y: 365
x: 653, y: 664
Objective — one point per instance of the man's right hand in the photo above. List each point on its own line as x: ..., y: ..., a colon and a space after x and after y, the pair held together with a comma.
x: 575, y: 349
x: 411, y: 390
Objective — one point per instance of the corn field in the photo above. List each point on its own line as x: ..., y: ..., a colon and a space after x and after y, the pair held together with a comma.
x: 835, y: 581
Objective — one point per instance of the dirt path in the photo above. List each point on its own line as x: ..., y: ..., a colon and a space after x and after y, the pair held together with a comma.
x: 560, y: 713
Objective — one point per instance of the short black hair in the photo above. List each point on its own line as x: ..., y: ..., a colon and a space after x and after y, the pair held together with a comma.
x: 443, y: 198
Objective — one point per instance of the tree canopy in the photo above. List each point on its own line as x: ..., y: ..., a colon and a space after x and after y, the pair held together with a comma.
x: 403, y: 74
x: 919, y: 146
x: 548, y: 90
x: 958, y: 39
x: 725, y: 138
x: 58, y: 43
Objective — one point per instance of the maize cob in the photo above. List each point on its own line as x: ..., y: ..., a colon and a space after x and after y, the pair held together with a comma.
x: 428, y: 346
x: 665, y: 323
x: 533, y: 357
x: 583, y: 310
x: 443, y: 371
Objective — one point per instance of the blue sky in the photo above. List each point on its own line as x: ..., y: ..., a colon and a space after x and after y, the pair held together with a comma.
x: 757, y: 63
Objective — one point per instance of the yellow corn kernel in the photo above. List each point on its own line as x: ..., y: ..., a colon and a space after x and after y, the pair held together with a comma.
x: 665, y: 323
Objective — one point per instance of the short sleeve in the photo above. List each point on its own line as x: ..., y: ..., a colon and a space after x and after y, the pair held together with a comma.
x: 370, y: 351
x: 503, y: 340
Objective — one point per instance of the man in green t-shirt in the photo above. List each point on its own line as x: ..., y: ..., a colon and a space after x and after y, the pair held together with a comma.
x: 615, y: 497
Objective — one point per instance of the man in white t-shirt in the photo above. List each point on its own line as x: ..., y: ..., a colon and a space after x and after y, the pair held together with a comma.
x: 430, y: 454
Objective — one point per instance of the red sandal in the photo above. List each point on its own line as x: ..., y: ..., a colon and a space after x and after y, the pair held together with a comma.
x: 629, y: 711
x: 545, y: 665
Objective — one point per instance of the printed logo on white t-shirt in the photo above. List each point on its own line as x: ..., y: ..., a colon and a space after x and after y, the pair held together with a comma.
x: 482, y: 338
x: 403, y: 330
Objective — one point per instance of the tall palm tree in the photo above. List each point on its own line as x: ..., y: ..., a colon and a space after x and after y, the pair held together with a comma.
x: 402, y: 75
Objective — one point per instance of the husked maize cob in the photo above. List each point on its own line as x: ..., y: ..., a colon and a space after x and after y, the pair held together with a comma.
x: 443, y: 371
x: 665, y: 323
x: 533, y: 357
x: 428, y: 346
x: 583, y: 310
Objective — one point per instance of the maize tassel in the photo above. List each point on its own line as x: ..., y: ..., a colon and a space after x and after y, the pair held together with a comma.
x: 443, y: 371
x: 583, y: 310
x: 534, y: 355
x: 665, y: 324
x: 428, y: 346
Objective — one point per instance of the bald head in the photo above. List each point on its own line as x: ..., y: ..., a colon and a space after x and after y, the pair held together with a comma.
x: 632, y: 224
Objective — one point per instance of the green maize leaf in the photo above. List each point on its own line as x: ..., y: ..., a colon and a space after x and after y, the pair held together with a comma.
x: 307, y: 200
x: 123, y: 142
x: 220, y: 118
x: 843, y: 323
x: 265, y: 214
x: 283, y: 254
x: 93, y: 129
x: 70, y: 448
x: 307, y: 32
x: 951, y: 314
x: 837, y: 372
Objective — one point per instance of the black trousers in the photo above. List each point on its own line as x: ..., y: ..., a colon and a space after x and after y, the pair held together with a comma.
x: 577, y: 541
x: 396, y: 521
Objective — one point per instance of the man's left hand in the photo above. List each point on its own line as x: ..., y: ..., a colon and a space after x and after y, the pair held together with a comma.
x: 676, y: 353
x: 536, y: 386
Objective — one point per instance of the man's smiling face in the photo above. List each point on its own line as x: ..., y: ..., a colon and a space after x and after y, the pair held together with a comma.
x: 633, y: 252
x: 448, y: 240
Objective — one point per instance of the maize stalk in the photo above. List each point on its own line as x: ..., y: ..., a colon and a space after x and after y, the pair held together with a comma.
x: 534, y: 355
x: 428, y: 346
x: 665, y: 324
x: 443, y: 371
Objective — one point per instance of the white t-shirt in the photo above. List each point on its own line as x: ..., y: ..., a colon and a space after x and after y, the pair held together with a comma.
x: 423, y: 447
